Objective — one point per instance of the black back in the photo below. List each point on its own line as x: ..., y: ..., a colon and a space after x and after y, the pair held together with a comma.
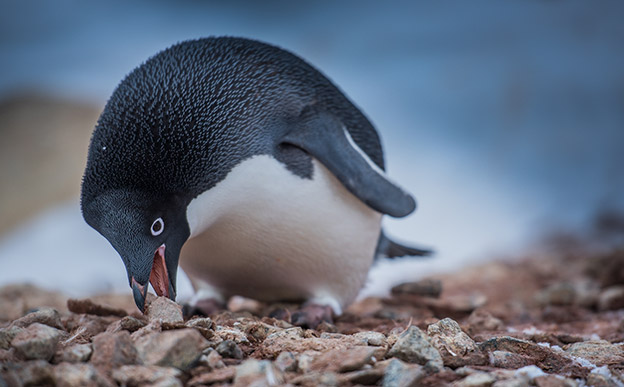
x: 181, y: 121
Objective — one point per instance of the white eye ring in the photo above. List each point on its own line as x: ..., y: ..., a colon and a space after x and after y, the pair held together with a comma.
x: 157, y: 227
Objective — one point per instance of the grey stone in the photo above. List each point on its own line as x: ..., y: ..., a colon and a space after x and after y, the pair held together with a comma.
x: 230, y: 349
x: 254, y: 371
x: 70, y: 375
x: 135, y: 375
x: 47, y: 316
x: 38, y: 341
x: 31, y: 373
x: 399, y: 374
x: 477, y: 379
x: 7, y: 335
x: 413, y: 346
x: 214, y: 360
x: 425, y: 287
x: 128, y: 323
x: 611, y: 298
x: 77, y: 353
x: 286, y: 362
x: 345, y: 360
x: 455, y: 347
x: 113, y: 350
x: 165, y: 310
x: 599, y: 352
x: 372, y: 338
x: 178, y: 348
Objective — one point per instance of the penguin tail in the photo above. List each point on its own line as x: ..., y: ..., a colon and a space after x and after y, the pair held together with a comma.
x: 390, y: 249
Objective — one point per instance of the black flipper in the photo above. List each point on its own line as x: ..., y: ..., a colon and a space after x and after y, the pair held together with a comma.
x: 390, y: 249
x: 323, y: 136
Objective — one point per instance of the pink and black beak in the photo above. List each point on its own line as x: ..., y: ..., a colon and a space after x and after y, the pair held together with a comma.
x: 159, y: 278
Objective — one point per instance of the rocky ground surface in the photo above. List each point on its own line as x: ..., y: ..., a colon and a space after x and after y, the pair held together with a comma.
x: 552, y: 320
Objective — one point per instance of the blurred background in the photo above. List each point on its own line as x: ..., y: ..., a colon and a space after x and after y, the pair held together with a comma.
x: 504, y: 119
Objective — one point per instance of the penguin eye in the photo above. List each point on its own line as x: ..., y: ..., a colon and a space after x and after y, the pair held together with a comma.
x: 157, y: 227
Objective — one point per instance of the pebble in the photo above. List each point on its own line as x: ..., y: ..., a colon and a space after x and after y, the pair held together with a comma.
x: 77, y: 353
x: 598, y: 352
x: 214, y: 360
x: 229, y: 349
x: 222, y: 375
x: 29, y: 373
x: 425, y: 287
x: 372, y: 338
x: 345, y: 360
x: 555, y: 381
x: 87, y: 306
x: 481, y: 320
x: 70, y: 375
x: 203, y: 325
x: 399, y: 374
x: 258, y: 371
x: 164, y: 310
x: 47, y: 316
x: 455, y: 346
x: 509, y: 360
x: 286, y: 362
x: 7, y: 335
x: 178, y: 348
x: 38, y: 341
x: 237, y: 304
x: 134, y: 375
x: 260, y: 331
x: 413, y: 346
x: 113, y: 350
x: 477, y: 379
x: 611, y: 298
x: 560, y: 293
x: 128, y: 323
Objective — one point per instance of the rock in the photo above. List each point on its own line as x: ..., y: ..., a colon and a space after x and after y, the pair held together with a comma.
x: 86, y: 306
x: 214, y: 360
x: 38, y: 341
x: 77, y: 353
x: 164, y: 310
x: 554, y: 381
x: 223, y: 375
x: 368, y: 377
x: 286, y: 362
x: 399, y: 374
x: 84, y: 327
x: 259, y: 372
x: 456, y: 347
x: 229, y: 349
x: 413, y: 346
x: 203, y: 325
x: 238, y: 304
x: 509, y: 360
x: 313, y: 379
x: 345, y: 360
x: 372, y: 338
x: 7, y: 335
x: 137, y: 375
x: 128, y: 323
x: 31, y: 373
x: 602, y: 377
x: 293, y: 340
x: 47, y: 316
x: 177, y: 348
x: 543, y: 357
x: 513, y: 382
x: 305, y: 360
x: 234, y: 334
x: 599, y: 352
x: 70, y: 375
x: 611, y: 298
x: 425, y: 287
x: 477, y: 379
x: 260, y: 331
x: 111, y: 350
x: 560, y: 293
x: 481, y: 320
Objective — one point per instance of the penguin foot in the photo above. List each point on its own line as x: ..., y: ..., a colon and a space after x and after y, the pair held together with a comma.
x: 311, y: 315
x: 205, y: 307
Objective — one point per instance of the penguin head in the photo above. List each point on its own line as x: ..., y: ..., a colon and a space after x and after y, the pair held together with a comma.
x: 148, y: 230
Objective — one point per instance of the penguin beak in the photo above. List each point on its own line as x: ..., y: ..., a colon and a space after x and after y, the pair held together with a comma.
x: 159, y: 278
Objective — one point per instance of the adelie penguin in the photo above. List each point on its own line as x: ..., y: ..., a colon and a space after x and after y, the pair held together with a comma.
x: 247, y: 167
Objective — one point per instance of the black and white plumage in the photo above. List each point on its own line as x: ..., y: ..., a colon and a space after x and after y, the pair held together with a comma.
x: 246, y: 166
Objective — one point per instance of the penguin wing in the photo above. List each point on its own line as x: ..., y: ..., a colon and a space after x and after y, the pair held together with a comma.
x: 324, y: 137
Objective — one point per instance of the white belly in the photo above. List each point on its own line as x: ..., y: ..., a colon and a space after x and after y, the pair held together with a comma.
x: 266, y: 233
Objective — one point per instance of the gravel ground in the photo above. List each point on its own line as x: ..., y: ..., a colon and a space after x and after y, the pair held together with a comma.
x: 550, y: 320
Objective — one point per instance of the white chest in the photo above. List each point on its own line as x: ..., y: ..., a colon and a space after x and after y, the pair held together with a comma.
x: 266, y: 233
